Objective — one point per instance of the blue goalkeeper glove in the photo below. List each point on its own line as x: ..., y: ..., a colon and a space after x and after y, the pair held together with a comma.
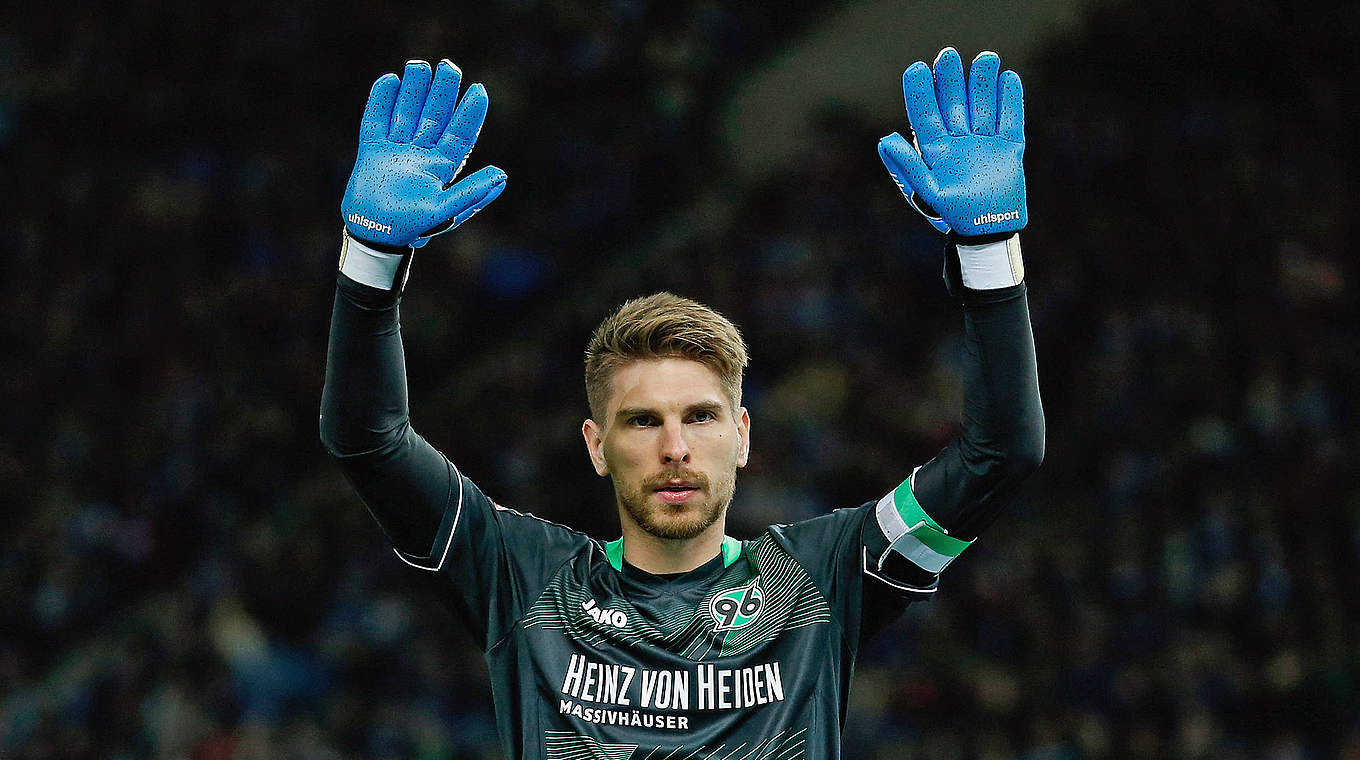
x: 965, y: 173
x: 414, y: 138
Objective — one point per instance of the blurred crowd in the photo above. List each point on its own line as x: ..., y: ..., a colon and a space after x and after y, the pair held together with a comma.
x: 185, y: 574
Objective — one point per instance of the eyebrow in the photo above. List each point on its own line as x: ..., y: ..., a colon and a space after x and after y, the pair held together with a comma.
x: 707, y: 405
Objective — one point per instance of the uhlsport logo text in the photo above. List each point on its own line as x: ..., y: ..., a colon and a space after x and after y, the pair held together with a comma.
x: 367, y: 223
x: 993, y: 218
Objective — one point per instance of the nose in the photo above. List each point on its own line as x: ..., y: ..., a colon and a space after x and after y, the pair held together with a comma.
x: 674, y: 447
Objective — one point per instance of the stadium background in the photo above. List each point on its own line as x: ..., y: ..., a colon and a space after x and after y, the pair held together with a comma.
x: 184, y: 574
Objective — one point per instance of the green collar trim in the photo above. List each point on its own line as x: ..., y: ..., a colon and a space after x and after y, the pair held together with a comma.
x: 731, y: 552
x: 613, y: 551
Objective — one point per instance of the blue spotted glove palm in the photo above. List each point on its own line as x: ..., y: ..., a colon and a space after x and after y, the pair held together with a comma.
x: 414, y: 138
x: 965, y: 173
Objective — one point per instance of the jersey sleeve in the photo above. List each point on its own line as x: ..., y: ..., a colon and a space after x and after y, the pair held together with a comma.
x: 978, y: 474
x: 844, y: 554
x: 874, y: 560
x: 490, y: 561
x: 946, y: 503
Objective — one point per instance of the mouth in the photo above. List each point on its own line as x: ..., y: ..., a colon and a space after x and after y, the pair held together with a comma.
x: 676, y: 492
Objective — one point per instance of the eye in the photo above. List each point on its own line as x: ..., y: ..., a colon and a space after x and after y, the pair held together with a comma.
x: 703, y: 415
x: 640, y: 420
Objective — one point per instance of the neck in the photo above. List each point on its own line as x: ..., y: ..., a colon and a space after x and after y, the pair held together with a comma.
x: 670, y: 555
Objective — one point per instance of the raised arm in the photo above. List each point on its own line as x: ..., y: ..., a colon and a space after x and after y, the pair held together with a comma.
x: 414, y: 138
x: 965, y: 174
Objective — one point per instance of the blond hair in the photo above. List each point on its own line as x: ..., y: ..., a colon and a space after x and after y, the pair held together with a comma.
x: 659, y: 326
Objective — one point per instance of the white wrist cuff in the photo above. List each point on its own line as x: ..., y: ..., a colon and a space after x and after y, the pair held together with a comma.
x: 368, y: 266
x: 992, y: 265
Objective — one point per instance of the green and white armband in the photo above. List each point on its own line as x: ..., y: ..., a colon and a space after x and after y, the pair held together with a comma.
x: 369, y: 266
x: 913, y: 534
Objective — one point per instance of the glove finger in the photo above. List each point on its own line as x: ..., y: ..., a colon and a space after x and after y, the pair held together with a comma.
x: 439, y: 104
x: 466, y: 198
x: 898, y: 155
x: 918, y: 90
x: 1011, y: 122
x: 907, y: 168
x: 931, y: 216
x: 949, y: 91
x: 378, y: 111
x: 466, y: 124
x: 415, y: 83
x: 924, y: 209
x: 982, y: 92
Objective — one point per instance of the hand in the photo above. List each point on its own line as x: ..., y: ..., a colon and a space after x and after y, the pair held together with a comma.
x: 965, y: 172
x: 412, y: 143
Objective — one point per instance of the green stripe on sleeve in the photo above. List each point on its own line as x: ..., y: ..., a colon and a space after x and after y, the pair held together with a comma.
x: 910, y: 509
x: 914, y: 534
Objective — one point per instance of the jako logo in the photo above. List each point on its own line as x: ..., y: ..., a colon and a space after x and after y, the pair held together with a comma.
x: 364, y: 221
x: 737, y: 607
x: 990, y: 218
x: 603, y: 616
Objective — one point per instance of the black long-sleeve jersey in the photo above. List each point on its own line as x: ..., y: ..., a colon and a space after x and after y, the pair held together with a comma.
x: 747, y: 656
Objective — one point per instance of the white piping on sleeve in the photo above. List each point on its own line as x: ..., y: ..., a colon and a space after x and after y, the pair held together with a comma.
x: 869, y: 571
x: 458, y: 513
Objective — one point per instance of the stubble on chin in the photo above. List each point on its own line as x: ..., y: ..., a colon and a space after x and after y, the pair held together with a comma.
x: 675, y: 523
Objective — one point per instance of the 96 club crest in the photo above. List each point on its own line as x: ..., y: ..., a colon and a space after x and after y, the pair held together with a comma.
x: 737, y: 607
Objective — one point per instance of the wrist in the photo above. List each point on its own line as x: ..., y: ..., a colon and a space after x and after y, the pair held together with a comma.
x: 378, y: 266
x: 991, y: 262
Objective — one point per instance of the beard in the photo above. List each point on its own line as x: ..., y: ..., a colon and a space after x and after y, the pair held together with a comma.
x: 681, y: 521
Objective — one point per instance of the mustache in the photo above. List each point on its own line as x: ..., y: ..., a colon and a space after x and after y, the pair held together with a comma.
x: 696, y: 479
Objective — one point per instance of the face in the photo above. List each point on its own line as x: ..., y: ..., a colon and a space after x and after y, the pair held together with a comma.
x: 672, y: 442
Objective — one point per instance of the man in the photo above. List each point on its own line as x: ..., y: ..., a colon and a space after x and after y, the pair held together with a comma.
x: 676, y: 641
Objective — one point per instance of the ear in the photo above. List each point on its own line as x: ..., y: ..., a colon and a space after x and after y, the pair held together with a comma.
x: 594, y: 436
x: 744, y: 433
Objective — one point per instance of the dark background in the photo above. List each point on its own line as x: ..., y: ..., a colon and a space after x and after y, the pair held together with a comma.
x: 184, y: 573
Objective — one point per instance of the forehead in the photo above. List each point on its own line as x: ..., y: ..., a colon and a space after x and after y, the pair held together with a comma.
x: 665, y: 383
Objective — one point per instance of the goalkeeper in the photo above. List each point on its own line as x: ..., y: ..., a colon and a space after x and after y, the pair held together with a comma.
x: 675, y: 640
